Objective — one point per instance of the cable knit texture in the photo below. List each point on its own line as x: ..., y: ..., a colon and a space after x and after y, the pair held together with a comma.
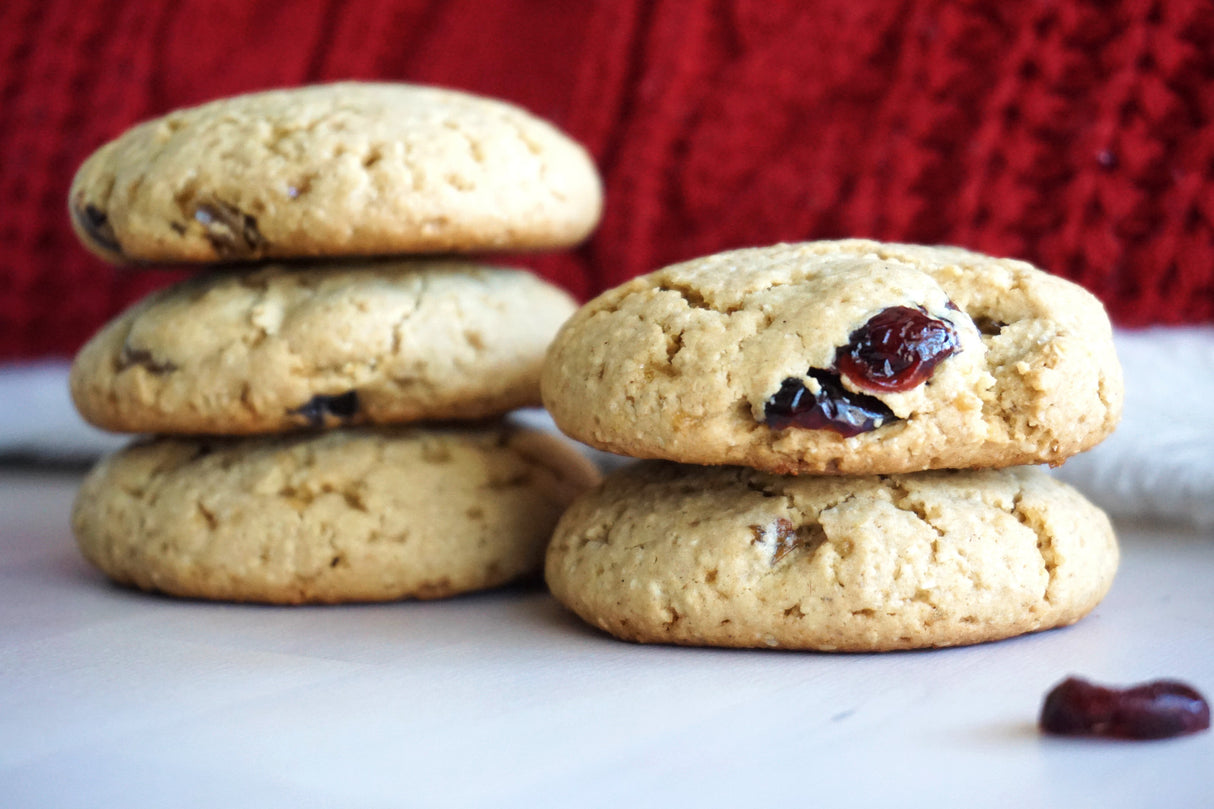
x: 1078, y: 136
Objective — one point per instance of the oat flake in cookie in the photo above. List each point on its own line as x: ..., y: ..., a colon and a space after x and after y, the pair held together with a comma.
x: 283, y: 348
x: 728, y: 556
x: 345, y: 515
x: 850, y: 357
x: 335, y: 170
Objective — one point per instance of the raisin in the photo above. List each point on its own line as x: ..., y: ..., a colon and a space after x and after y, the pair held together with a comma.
x: 96, y: 223
x: 781, y: 537
x: 1156, y: 710
x: 833, y: 407
x: 142, y: 357
x: 896, y: 350
x: 321, y: 408
x: 232, y: 232
x: 989, y: 326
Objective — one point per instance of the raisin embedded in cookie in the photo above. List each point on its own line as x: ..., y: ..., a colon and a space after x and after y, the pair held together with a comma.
x: 335, y: 170
x: 284, y: 348
x: 346, y: 515
x: 849, y: 357
x: 729, y: 556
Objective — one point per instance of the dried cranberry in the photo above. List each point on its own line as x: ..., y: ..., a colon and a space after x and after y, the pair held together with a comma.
x: 833, y: 407
x: 1155, y: 710
x: 896, y: 350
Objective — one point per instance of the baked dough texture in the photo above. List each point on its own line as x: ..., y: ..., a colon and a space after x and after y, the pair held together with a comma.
x: 335, y: 170
x: 281, y: 348
x: 679, y: 364
x: 345, y: 515
x: 728, y: 556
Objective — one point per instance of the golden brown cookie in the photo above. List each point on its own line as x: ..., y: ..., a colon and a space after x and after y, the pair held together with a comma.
x: 335, y: 170
x: 345, y: 515
x: 729, y: 556
x: 282, y: 348
x: 850, y: 357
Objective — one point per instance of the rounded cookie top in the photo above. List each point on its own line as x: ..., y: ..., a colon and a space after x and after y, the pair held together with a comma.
x: 350, y: 515
x: 730, y: 556
x: 839, y: 357
x: 283, y: 348
x: 335, y: 170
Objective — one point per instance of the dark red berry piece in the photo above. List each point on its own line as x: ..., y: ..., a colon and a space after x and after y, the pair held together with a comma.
x: 833, y: 407
x: 896, y: 350
x: 1155, y: 710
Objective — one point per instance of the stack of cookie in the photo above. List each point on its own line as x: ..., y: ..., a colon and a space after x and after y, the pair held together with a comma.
x: 853, y: 426
x: 329, y: 429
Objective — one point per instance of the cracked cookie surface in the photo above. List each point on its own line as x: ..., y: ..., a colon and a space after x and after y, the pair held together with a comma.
x: 350, y: 515
x: 729, y: 556
x: 335, y: 170
x: 687, y: 363
x: 283, y: 348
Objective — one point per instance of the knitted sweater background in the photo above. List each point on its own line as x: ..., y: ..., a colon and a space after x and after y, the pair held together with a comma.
x: 1077, y: 135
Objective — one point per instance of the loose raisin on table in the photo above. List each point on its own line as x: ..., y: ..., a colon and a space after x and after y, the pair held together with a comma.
x: 1156, y: 710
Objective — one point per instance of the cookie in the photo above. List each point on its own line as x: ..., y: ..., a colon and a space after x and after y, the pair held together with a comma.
x: 729, y: 556
x: 347, y: 515
x: 335, y: 170
x: 284, y: 348
x: 849, y: 357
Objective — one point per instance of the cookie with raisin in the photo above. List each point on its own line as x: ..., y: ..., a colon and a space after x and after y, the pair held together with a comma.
x: 730, y: 556
x: 839, y: 357
x: 364, y: 514
x: 332, y: 170
x: 283, y: 348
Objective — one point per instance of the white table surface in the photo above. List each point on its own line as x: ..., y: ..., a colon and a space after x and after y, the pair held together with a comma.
x: 110, y: 697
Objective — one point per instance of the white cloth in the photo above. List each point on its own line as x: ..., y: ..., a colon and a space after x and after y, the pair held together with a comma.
x: 37, y: 420
x: 1159, y: 464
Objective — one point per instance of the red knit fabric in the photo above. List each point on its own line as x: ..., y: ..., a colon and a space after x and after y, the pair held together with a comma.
x: 1077, y: 135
